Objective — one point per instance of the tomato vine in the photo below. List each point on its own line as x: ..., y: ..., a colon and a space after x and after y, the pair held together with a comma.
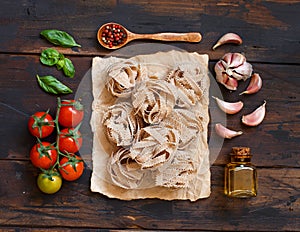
x: 72, y: 159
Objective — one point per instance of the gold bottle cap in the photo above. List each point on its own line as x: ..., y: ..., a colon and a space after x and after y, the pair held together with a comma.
x: 241, y: 152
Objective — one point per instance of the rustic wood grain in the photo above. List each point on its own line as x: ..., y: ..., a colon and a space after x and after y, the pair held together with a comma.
x: 271, y: 37
x: 75, y: 206
x: 270, y: 29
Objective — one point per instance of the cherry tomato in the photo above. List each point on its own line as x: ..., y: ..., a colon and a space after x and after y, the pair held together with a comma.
x: 70, y: 140
x: 49, y: 183
x: 71, y: 113
x: 43, y: 155
x: 71, y: 168
x: 41, y: 124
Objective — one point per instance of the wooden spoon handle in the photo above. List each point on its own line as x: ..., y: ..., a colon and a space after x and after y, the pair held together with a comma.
x: 168, y: 36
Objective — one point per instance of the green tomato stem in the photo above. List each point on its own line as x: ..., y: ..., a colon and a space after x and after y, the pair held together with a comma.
x: 58, y: 133
x: 56, y: 165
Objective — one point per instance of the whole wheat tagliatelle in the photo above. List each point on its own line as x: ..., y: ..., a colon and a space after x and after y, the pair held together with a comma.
x: 149, y: 122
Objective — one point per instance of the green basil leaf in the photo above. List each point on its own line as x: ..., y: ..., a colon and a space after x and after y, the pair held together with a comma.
x: 60, y: 38
x: 49, y: 56
x: 68, y: 68
x: 51, y: 85
x: 61, y: 62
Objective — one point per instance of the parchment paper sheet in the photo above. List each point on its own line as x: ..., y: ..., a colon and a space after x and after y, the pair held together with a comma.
x: 158, y: 64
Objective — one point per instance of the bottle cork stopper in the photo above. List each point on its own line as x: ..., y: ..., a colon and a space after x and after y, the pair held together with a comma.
x: 241, y: 151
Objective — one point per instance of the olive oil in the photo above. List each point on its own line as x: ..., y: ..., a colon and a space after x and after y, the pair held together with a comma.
x: 240, y: 174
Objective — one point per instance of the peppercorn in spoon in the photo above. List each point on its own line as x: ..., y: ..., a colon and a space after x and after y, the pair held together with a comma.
x: 114, y: 36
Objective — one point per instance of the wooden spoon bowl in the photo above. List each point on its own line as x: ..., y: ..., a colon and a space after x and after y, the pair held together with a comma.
x: 114, y: 36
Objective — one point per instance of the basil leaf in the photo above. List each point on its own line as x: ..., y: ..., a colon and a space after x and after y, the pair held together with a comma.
x: 51, y: 85
x: 49, y: 56
x: 61, y: 62
x: 61, y: 38
x: 68, y: 68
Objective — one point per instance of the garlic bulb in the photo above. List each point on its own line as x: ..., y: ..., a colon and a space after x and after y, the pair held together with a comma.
x: 254, y: 85
x: 229, y: 107
x: 228, y: 38
x: 232, y: 68
x: 256, y: 117
x: 226, y: 133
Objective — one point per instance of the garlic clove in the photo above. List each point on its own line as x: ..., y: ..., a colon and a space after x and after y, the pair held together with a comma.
x: 231, y: 84
x: 229, y: 107
x: 234, y: 60
x: 256, y: 117
x: 219, y: 69
x: 228, y: 38
x: 226, y: 133
x: 242, y: 72
x: 223, y: 78
x: 254, y: 85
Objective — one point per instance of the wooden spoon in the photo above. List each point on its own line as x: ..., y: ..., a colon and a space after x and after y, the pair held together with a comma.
x: 104, y: 38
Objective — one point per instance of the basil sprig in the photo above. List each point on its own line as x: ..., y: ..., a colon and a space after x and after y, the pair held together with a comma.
x: 51, y: 85
x: 61, y: 62
x: 60, y: 38
x: 52, y: 57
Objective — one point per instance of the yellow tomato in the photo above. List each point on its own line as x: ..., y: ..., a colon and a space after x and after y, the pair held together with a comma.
x: 49, y: 184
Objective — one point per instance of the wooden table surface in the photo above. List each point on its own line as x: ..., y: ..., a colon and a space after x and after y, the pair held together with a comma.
x: 271, y: 42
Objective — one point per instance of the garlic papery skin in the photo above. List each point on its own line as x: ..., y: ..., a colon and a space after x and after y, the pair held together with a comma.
x: 228, y: 38
x: 226, y: 133
x: 256, y: 117
x: 243, y: 72
x: 229, y: 82
x: 254, y: 85
x: 232, y: 68
x: 229, y: 107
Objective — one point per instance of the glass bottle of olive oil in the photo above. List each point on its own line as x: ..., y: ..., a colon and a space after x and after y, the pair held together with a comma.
x: 240, y: 174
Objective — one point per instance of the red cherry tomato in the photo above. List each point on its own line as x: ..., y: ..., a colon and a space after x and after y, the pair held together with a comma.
x: 43, y: 155
x: 71, y: 113
x: 71, y: 168
x: 70, y: 140
x: 41, y: 124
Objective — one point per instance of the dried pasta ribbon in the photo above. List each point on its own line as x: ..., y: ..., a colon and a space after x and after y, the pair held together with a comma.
x: 154, y: 100
x: 189, y: 91
x: 123, y: 76
x: 154, y: 146
x: 180, y: 172
x: 187, y: 123
x: 121, y: 123
x: 125, y: 172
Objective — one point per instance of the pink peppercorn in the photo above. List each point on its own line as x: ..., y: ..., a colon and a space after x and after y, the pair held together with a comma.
x: 113, y: 35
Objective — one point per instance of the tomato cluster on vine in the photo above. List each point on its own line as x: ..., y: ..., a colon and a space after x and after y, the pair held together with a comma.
x: 60, y: 159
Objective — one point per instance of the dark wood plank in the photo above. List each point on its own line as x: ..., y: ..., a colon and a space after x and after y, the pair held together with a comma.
x: 74, y: 206
x: 270, y: 29
x: 270, y: 32
x: 279, y: 133
x: 56, y: 229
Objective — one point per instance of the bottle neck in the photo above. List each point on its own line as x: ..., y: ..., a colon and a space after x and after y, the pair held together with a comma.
x: 240, y: 158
